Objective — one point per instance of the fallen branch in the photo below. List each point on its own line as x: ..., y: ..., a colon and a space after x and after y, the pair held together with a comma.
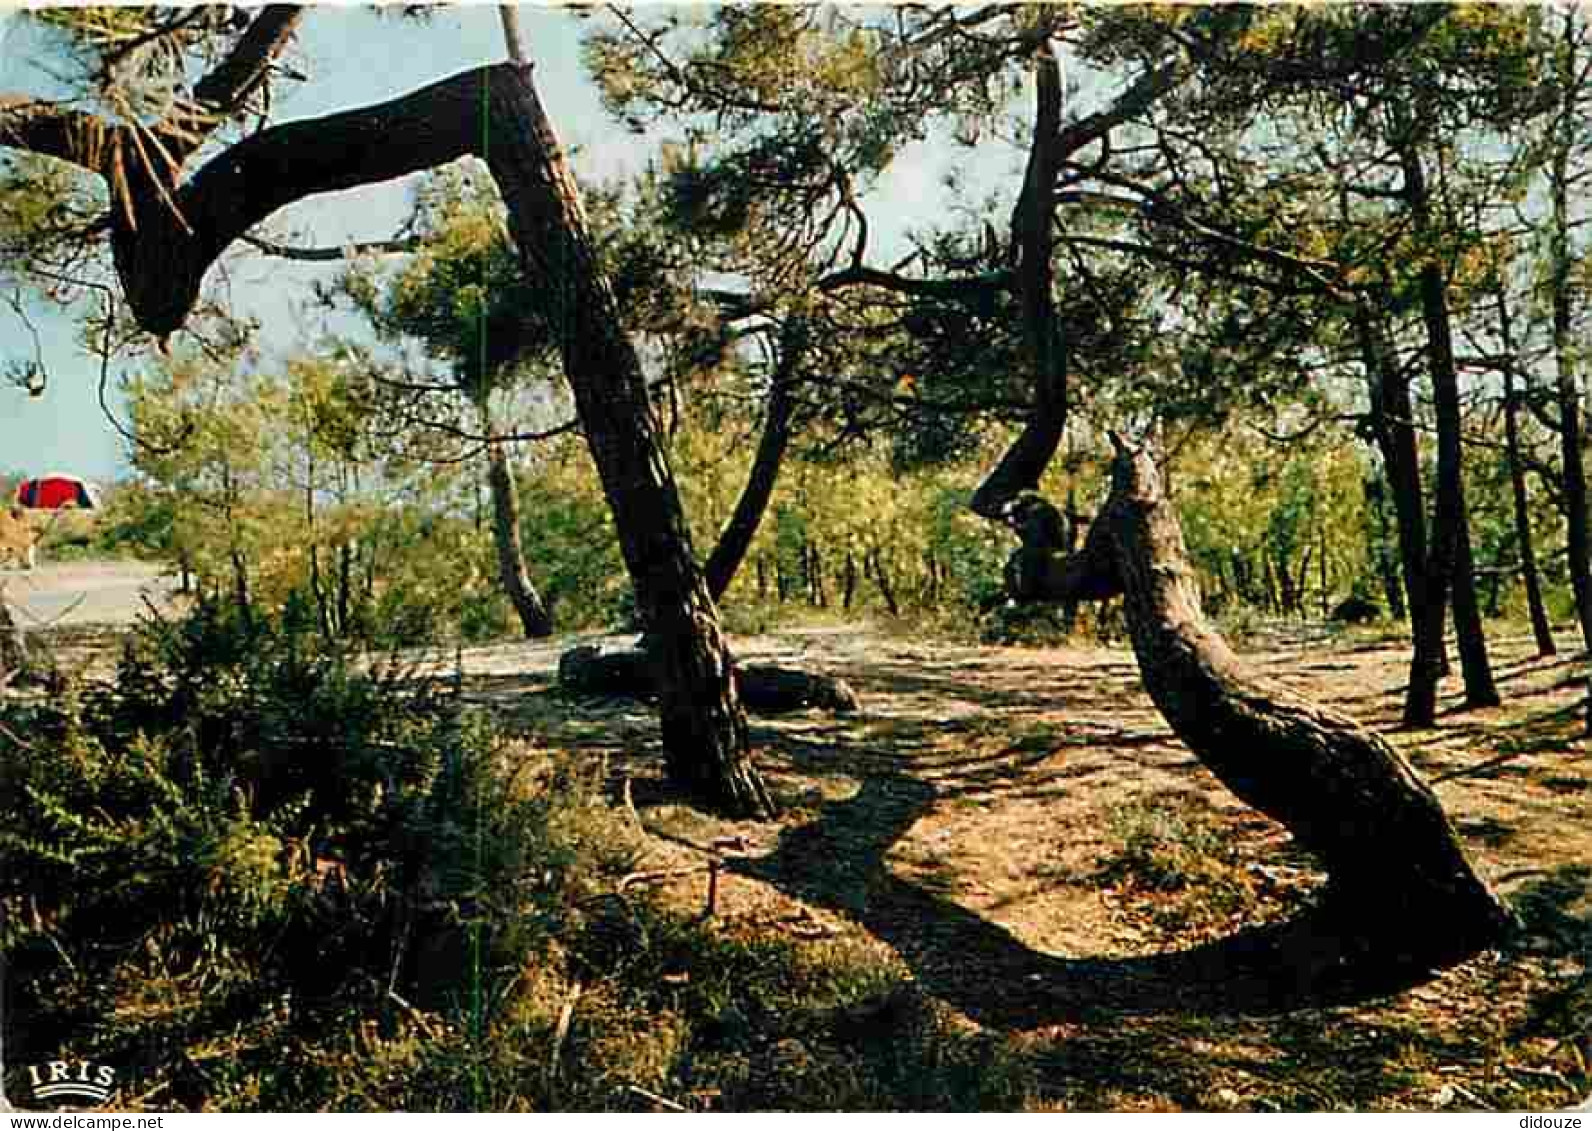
x: 560, y: 1034
x: 654, y: 1097
x: 660, y: 875
x: 765, y: 688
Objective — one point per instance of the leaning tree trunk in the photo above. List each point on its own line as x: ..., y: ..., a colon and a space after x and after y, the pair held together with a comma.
x: 704, y: 727
x: 535, y: 620
x: 164, y: 239
x: 736, y: 537
x: 1394, y: 862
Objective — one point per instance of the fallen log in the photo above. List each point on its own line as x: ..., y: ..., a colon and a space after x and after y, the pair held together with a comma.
x: 1400, y: 882
x: 766, y: 689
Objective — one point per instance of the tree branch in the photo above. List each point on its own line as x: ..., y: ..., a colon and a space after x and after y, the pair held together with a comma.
x: 395, y: 246
x: 953, y: 290
x: 247, y: 64
x: 162, y: 267
x: 1134, y: 101
x: 51, y: 130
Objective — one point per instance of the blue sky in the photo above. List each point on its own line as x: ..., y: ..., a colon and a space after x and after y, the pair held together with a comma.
x: 354, y: 57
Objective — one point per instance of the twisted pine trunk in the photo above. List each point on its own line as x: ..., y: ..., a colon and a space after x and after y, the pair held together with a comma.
x: 1395, y: 863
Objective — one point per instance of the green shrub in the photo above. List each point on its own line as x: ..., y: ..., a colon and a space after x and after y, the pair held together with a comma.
x: 254, y: 874
x: 248, y: 833
x: 1181, y: 867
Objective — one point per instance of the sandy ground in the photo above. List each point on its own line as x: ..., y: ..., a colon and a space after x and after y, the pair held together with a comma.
x: 974, y: 827
x: 81, y: 593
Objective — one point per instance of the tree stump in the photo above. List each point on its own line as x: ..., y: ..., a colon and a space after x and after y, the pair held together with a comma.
x: 1400, y: 882
x: 765, y: 689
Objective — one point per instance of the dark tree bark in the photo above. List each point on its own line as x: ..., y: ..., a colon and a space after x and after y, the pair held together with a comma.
x: 1567, y: 390
x: 1448, y: 572
x: 1072, y: 525
x: 165, y: 240
x: 535, y: 619
x: 1571, y: 441
x: 1481, y: 690
x: 1025, y: 461
x: 873, y: 565
x: 738, y: 532
x: 1043, y: 569
x: 704, y: 727
x: 1392, y: 420
x: 1395, y: 864
x: 1387, y: 554
x: 1540, y: 629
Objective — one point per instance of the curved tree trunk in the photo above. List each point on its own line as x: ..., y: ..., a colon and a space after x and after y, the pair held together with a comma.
x: 535, y: 620
x: 736, y: 537
x: 1025, y: 461
x: 1395, y: 864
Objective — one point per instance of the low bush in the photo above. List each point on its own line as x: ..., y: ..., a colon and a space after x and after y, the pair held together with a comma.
x: 255, y: 874
x: 1179, y: 867
x: 247, y: 841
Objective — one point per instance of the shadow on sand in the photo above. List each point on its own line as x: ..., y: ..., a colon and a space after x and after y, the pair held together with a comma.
x: 838, y: 861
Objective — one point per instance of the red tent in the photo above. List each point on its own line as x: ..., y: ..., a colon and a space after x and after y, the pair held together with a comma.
x: 52, y: 492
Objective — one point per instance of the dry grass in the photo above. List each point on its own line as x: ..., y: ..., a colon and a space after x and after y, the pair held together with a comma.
x: 1006, y: 884
x: 1018, y: 829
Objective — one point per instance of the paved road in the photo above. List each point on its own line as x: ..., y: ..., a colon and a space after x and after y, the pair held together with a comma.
x: 83, y: 592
